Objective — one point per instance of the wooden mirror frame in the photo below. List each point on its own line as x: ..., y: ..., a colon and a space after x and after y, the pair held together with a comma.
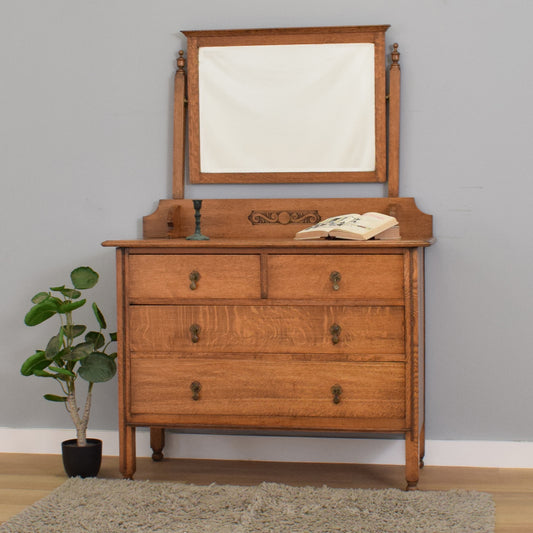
x: 386, y: 153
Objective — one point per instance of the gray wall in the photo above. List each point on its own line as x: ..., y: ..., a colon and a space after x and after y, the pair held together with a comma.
x: 85, y: 137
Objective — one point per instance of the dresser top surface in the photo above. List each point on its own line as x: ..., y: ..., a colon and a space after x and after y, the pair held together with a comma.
x: 322, y: 244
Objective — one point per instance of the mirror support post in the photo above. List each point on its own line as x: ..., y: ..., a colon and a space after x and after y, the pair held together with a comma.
x: 394, y: 124
x: 179, y: 129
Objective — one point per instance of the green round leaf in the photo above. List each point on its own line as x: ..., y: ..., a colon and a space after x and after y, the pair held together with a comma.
x: 58, y: 289
x: 40, y: 297
x: 99, y: 316
x: 97, y: 368
x: 67, y: 307
x: 54, y: 398
x: 71, y: 293
x: 61, y: 356
x: 66, y: 292
x: 41, y: 312
x: 37, y: 361
x: 80, y: 351
x: 97, y: 339
x: 53, y: 347
x: 84, y: 277
x: 73, y: 331
x: 63, y: 371
x: 43, y: 374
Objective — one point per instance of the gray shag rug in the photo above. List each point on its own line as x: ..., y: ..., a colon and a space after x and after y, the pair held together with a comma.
x: 112, y: 506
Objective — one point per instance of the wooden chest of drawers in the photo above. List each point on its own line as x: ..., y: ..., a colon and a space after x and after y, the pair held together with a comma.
x: 254, y: 331
x: 271, y: 336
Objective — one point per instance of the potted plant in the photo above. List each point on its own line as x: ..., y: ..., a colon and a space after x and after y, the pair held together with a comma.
x: 67, y: 358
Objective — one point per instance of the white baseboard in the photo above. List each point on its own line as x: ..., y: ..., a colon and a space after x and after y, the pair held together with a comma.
x: 496, y: 454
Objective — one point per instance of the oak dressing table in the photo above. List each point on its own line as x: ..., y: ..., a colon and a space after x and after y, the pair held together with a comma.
x: 252, y: 331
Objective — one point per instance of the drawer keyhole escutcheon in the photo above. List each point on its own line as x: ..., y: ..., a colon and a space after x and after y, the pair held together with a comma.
x: 335, y: 331
x: 196, y: 387
x: 195, y: 330
x: 194, y: 276
x: 336, y: 390
x: 335, y: 279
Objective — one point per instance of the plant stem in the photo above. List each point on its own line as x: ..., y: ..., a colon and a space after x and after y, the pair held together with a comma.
x: 69, y: 324
x: 81, y: 423
x: 72, y: 408
x: 86, y: 412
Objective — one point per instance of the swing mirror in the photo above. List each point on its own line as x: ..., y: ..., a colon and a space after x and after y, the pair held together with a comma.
x: 288, y: 105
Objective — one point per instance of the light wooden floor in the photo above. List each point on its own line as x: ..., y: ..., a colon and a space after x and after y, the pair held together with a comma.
x: 25, y: 479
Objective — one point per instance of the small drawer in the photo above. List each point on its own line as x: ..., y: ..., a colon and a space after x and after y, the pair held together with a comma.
x: 363, y: 276
x: 168, y: 277
x: 266, y: 388
x: 267, y: 329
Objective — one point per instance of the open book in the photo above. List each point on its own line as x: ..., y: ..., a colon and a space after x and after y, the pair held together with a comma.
x: 355, y: 227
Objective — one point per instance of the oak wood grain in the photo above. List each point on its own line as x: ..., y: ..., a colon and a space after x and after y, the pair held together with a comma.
x: 264, y: 388
x: 266, y: 329
x: 282, y: 328
x: 232, y: 218
x: 178, y: 153
x: 364, y: 276
x: 286, y: 36
x: 219, y: 276
x: 393, y: 173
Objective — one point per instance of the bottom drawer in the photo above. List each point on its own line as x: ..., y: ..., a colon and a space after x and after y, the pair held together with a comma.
x: 164, y: 385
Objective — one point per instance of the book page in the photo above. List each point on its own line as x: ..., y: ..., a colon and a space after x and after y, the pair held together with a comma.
x: 373, y: 220
x: 365, y: 226
x: 333, y: 223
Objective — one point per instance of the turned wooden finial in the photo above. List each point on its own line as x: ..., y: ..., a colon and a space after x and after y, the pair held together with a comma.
x: 181, y: 61
x: 395, y: 56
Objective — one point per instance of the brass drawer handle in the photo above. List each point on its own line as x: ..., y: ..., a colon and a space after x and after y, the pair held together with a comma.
x: 336, y: 390
x: 195, y: 331
x: 196, y: 387
x: 194, y: 276
x: 335, y: 331
x: 335, y: 279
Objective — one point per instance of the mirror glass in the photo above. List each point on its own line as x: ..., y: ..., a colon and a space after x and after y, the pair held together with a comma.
x: 288, y: 108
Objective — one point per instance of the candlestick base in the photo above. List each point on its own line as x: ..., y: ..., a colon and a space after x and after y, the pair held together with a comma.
x: 197, y: 235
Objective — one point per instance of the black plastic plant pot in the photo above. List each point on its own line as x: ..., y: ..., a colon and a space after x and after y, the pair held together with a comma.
x: 82, y: 461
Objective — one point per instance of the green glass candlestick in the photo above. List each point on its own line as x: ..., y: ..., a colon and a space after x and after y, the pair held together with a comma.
x: 197, y: 235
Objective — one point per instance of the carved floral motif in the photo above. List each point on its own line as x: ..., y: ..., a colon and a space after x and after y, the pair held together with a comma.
x: 284, y: 217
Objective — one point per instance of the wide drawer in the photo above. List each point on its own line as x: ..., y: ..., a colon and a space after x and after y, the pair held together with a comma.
x: 167, y: 277
x: 358, y: 276
x: 267, y: 329
x: 204, y: 386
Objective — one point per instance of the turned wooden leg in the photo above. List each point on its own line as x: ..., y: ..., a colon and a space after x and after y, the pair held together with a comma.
x: 412, y: 460
x: 157, y: 443
x: 127, y: 451
x: 422, y: 445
